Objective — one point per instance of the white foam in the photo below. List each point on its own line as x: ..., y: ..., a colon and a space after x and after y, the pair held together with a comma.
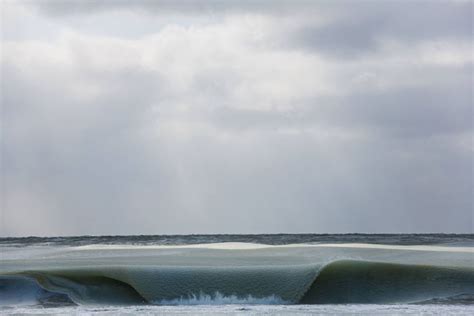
x: 251, y: 246
x: 223, y: 245
x: 219, y: 299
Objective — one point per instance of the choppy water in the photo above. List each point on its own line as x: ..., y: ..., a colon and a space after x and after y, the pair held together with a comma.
x: 267, y: 239
x: 238, y: 274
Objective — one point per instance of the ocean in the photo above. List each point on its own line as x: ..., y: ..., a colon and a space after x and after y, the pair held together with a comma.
x: 281, y: 274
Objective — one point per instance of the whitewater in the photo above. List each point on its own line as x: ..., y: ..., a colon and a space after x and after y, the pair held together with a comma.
x: 253, y: 274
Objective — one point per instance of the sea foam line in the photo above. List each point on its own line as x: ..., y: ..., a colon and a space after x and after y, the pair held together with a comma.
x: 251, y: 246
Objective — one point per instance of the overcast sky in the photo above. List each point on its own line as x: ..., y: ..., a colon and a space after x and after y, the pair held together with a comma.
x: 174, y: 117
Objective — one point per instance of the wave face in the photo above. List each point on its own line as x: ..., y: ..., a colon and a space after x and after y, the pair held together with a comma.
x: 172, y: 285
x: 236, y: 273
x: 339, y: 282
x: 351, y: 281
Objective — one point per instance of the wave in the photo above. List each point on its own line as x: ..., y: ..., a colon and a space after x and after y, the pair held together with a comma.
x: 338, y: 282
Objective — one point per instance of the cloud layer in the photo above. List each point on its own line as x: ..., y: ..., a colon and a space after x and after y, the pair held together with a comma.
x: 183, y: 117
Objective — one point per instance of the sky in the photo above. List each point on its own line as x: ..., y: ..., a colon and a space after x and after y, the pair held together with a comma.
x: 180, y: 117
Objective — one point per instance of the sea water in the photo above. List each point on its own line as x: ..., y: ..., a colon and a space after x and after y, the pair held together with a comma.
x: 238, y: 274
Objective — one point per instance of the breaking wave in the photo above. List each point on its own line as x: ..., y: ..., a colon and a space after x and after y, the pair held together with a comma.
x: 219, y: 299
x: 342, y: 281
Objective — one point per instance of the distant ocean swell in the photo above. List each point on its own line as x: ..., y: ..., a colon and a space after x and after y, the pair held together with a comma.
x: 342, y: 281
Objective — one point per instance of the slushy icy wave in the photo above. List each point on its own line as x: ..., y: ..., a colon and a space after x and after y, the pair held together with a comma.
x: 340, y: 281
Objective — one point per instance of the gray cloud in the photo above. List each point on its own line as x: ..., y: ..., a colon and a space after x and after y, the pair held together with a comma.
x: 429, y: 110
x: 360, y: 27
x: 348, y: 29
x: 245, y: 124
x: 58, y: 7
